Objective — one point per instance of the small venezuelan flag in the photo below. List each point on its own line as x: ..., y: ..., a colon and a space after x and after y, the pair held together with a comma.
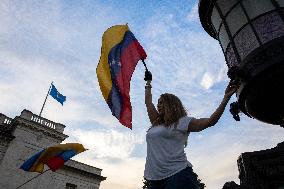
x: 54, y: 157
x: 120, y: 54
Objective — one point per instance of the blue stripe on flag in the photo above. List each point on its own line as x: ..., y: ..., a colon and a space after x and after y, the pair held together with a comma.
x: 30, y: 162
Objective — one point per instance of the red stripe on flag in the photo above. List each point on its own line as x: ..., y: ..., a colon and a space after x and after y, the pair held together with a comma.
x: 129, y: 59
x: 55, y: 163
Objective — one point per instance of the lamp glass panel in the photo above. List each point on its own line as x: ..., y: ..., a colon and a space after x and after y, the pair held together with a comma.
x: 246, y: 41
x: 223, y: 37
x: 269, y: 26
x: 236, y: 19
x: 257, y: 7
x: 216, y: 19
x: 231, y: 57
x: 226, y: 5
x: 281, y: 3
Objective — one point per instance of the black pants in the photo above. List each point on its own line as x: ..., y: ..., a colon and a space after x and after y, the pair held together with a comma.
x: 185, y: 179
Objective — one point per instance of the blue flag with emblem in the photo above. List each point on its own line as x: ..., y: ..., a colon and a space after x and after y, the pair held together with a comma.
x: 56, y: 95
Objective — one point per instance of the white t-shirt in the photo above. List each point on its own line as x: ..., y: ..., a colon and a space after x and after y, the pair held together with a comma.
x: 165, y: 150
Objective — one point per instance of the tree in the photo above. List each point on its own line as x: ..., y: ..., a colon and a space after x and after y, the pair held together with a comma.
x: 146, y: 184
x: 200, y: 184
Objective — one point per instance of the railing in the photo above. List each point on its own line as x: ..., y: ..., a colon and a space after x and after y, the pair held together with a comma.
x: 42, y: 121
x: 5, y: 120
x: 28, y: 115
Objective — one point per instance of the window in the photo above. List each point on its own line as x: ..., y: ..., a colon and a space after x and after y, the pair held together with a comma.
x: 257, y: 7
x: 281, y: 3
x: 269, y: 26
x: 223, y: 37
x: 226, y: 5
x: 236, y: 19
x: 231, y: 57
x: 216, y: 20
x: 246, y: 41
x: 71, y: 186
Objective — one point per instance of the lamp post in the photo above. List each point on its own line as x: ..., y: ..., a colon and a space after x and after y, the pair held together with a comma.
x: 251, y: 35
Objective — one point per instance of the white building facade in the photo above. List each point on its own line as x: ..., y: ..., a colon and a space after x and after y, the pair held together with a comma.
x: 25, y: 135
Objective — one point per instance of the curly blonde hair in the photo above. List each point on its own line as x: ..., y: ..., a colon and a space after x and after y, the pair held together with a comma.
x: 173, y: 110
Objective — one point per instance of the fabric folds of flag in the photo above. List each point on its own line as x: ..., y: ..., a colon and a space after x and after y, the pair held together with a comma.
x: 56, y: 95
x: 54, y: 157
x: 120, y: 54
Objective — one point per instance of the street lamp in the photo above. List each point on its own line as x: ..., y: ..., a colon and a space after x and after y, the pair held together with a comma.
x: 251, y: 35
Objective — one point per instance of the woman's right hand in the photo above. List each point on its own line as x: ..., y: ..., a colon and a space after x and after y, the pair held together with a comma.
x: 148, y: 76
x: 148, y: 83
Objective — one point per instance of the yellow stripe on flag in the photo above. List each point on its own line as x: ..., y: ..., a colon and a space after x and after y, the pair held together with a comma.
x: 111, y: 37
x: 52, y: 151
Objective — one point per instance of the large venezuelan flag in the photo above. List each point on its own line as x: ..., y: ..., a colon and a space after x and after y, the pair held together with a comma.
x: 120, y: 54
x: 54, y: 157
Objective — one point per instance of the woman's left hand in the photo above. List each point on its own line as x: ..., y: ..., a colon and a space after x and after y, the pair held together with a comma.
x: 231, y: 89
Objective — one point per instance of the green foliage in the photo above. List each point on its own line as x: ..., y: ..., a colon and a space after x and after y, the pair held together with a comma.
x: 200, y: 184
x: 146, y: 184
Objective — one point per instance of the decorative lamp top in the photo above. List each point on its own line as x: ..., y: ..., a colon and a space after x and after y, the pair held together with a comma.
x: 205, y: 10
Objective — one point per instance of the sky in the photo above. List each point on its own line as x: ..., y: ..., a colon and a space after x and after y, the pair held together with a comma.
x: 55, y: 40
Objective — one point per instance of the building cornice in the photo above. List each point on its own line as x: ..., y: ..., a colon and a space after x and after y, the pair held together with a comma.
x: 84, y: 169
x: 20, y: 122
x: 39, y: 124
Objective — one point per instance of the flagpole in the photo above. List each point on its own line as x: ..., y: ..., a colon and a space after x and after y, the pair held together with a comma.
x: 32, y: 178
x: 45, y: 99
x: 144, y: 64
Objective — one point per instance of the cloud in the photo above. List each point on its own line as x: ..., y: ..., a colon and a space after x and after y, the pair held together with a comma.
x: 40, y: 44
x: 108, y: 143
x: 30, y: 83
x: 193, y: 14
x: 214, y: 155
x: 207, y: 81
x: 60, y: 42
x: 126, y: 174
x: 111, y: 150
x: 182, y: 63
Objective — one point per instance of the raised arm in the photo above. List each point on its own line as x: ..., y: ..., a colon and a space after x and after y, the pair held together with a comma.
x: 151, y: 109
x: 197, y: 125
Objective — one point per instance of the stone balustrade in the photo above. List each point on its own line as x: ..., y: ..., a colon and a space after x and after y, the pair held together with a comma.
x: 28, y: 115
x: 4, y: 120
